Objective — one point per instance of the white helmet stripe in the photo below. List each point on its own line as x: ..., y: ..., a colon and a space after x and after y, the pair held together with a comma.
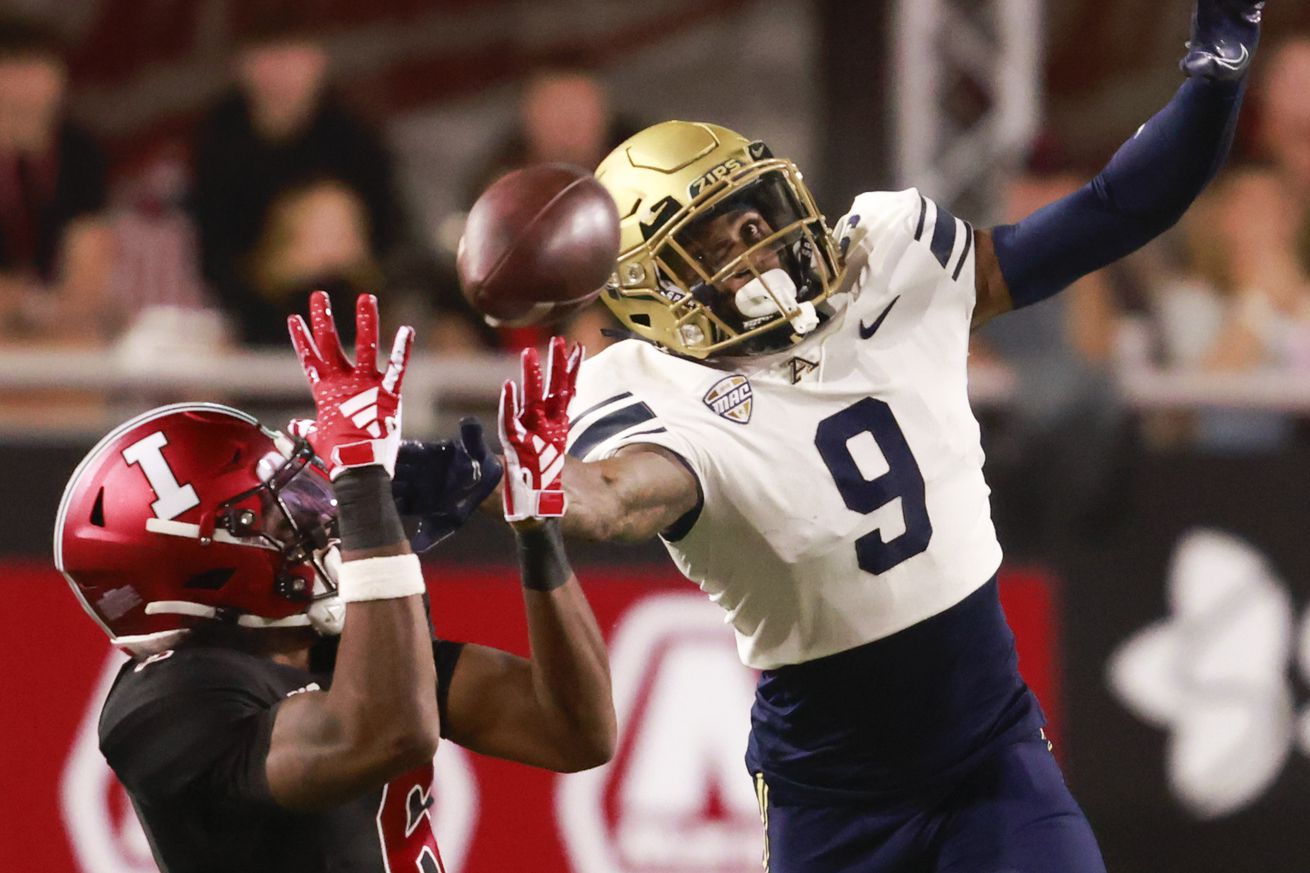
x: 180, y: 607
x: 192, y: 531
x: 199, y: 610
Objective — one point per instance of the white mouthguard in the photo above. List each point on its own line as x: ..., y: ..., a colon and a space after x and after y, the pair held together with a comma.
x: 775, y: 292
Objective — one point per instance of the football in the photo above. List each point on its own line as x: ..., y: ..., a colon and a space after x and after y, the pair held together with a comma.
x: 539, y: 243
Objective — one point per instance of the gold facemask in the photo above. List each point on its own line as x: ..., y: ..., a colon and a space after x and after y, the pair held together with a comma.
x: 722, y: 248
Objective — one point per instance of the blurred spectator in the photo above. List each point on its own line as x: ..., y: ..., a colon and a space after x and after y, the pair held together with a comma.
x: 293, y: 191
x: 1060, y: 443
x: 564, y: 116
x: 54, y: 249
x: 158, y: 259
x: 159, y: 296
x: 1242, y: 301
x: 1286, y: 115
x: 1262, y: 229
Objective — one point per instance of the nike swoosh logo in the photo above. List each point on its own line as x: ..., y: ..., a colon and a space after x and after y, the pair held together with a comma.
x: 1236, y: 63
x: 867, y: 331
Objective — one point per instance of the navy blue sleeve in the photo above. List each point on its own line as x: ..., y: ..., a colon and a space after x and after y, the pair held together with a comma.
x: 1142, y: 192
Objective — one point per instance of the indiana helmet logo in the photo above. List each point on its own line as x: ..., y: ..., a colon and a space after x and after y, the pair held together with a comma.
x: 731, y: 398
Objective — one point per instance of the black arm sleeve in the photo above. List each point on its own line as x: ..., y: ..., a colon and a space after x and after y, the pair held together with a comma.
x: 446, y: 654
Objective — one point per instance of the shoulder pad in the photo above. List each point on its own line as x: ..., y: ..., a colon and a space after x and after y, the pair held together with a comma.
x: 878, y: 214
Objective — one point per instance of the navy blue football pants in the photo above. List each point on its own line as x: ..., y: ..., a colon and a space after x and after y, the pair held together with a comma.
x: 1011, y: 814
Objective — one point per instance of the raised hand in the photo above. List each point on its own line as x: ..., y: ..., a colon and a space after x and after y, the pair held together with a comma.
x: 534, y: 427
x: 358, y: 406
x: 442, y: 483
x: 1224, y: 36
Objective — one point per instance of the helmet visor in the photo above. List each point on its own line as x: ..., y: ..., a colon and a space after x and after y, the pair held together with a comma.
x: 298, y: 511
x: 306, y: 503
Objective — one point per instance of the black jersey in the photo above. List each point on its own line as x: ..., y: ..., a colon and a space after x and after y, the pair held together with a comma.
x: 187, y: 732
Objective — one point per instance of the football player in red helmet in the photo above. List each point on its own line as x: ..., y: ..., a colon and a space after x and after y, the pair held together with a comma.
x: 286, y: 695
x: 196, y: 512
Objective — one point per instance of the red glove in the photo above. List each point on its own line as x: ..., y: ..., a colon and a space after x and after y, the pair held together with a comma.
x: 358, y: 423
x: 534, y: 426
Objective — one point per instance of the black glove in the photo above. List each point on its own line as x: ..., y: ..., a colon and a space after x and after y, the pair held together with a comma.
x: 442, y: 483
x: 1224, y: 36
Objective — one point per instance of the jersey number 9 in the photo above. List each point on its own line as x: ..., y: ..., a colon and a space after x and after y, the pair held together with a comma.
x: 902, y: 480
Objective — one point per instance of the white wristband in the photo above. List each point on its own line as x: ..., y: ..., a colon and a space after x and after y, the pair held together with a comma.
x: 380, y: 578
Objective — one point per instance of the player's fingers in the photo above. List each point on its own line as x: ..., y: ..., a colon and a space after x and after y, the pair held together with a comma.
x: 366, y: 333
x: 532, y: 386
x: 301, y: 427
x: 398, y: 360
x: 576, y: 357
x: 507, y: 416
x: 556, y: 374
x: 325, y: 332
x: 563, y: 385
x: 473, y: 439
x: 306, y: 350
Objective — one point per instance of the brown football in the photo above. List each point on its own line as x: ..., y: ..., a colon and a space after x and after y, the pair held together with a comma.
x: 540, y: 242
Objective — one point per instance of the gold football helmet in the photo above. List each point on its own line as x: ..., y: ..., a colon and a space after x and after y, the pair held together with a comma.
x: 722, y: 248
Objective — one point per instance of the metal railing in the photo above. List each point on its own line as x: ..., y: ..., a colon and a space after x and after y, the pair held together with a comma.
x: 115, y: 386
x: 436, y: 385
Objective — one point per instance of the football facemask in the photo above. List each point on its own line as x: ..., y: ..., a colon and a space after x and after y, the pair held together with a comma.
x: 749, y: 259
x: 298, y: 520
x: 723, y: 249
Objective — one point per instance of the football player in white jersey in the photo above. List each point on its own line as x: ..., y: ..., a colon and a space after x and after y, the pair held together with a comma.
x: 792, y: 420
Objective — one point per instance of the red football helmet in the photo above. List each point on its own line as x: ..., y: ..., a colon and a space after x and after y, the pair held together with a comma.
x: 195, y: 512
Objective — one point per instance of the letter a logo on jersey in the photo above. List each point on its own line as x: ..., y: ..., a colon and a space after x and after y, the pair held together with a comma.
x: 731, y: 398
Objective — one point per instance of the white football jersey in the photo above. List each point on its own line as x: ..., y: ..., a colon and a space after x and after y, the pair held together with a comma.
x: 843, y: 494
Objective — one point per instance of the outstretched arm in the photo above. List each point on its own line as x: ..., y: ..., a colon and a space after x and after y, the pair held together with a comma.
x: 1146, y: 187
x: 554, y: 710
x: 380, y: 717
x: 642, y: 491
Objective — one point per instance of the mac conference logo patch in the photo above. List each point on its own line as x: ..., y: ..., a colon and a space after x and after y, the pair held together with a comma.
x: 730, y: 398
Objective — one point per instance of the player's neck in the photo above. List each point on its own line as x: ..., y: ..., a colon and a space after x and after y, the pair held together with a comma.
x: 290, y: 646
x: 298, y: 658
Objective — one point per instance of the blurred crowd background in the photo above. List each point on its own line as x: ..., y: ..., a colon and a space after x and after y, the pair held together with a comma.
x: 176, y: 177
